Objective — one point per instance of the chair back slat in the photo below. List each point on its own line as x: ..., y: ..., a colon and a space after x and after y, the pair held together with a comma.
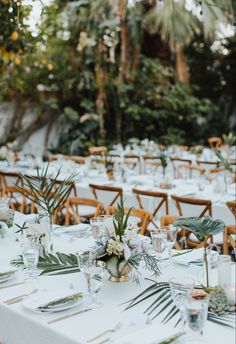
x: 111, y: 190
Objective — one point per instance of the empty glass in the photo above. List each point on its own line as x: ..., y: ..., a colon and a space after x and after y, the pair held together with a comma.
x: 30, y: 252
x: 95, y: 228
x: 159, y: 240
x: 196, y: 310
x: 180, y: 288
x: 171, y: 235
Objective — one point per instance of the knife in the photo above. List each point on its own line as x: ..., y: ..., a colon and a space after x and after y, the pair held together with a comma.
x: 69, y: 315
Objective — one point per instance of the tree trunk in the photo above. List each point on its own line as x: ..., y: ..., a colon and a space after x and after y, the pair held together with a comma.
x: 101, y: 95
x: 181, y: 67
x: 123, y: 61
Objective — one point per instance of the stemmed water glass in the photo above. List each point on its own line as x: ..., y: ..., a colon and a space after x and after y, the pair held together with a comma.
x: 171, y: 235
x: 30, y: 253
x: 93, y: 272
x: 159, y: 241
x: 180, y: 288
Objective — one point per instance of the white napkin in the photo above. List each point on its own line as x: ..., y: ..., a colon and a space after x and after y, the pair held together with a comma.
x: 186, y: 258
x: 81, y: 227
x: 20, y: 218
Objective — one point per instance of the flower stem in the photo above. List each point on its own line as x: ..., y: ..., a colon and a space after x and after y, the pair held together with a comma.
x: 206, y: 263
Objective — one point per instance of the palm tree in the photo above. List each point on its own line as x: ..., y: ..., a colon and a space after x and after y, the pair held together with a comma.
x: 177, y: 23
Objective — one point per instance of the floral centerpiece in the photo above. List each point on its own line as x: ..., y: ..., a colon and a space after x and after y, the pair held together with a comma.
x: 122, y: 249
x: 47, y: 194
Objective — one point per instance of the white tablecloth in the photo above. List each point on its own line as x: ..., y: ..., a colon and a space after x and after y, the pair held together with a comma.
x: 19, y: 326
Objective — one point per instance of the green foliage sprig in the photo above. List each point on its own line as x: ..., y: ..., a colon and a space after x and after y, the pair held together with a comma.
x: 47, y: 192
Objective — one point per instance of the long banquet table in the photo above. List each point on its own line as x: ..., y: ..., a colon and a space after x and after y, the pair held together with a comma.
x: 19, y: 326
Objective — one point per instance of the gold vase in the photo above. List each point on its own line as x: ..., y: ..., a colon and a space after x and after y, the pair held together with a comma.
x: 123, y: 278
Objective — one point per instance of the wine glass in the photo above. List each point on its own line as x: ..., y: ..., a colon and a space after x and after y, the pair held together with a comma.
x: 180, y: 288
x: 158, y: 241
x: 196, y: 310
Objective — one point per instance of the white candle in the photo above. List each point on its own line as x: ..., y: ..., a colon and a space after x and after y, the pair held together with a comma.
x: 231, y: 295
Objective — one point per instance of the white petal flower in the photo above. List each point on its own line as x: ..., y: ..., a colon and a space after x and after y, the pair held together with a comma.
x: 127, y: 252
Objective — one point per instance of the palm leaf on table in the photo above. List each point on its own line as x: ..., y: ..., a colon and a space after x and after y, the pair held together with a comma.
x: 202, y: 227
x: 163, y: 304
x: 53, y: 264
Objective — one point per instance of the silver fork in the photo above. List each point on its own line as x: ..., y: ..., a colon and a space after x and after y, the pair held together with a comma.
x: 111, y: 330
x: 19, y: 297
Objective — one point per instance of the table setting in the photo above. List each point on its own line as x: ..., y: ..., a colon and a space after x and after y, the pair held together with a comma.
x: 97, y: 279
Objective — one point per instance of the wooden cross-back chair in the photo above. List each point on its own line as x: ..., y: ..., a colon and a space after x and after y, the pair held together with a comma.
x: 177, y: 162
x: 99, y: 150
x: 229, y: 241
x: 191, y: 169
x: 151, y: 163
x: 8, y: 179
x: 205, y: 204
x: 161, y: 196
x: 132, y: 160
x: 76, y: 159
x: 17, y: 199
x: 143, y: 216
x: 74, y: 209
x: 232, y: 207
x: 215, y: 142
x: 116, y: 191
x: 208, y: 164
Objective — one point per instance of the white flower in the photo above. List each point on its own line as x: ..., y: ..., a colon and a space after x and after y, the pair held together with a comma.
x: 127, y: 251
x: 115, y: 247
x: 110, y: 227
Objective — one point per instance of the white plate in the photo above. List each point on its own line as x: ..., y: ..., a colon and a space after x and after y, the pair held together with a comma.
x: 80, y: 228
x: 34, y: 302
x: 10, y: 273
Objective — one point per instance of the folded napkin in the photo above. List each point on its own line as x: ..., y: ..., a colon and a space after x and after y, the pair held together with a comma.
x: 189, y: 257
x: 81, y: 227
x: 49, y: 299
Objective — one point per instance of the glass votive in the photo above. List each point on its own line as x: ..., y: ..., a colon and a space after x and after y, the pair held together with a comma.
x: 224, y: 271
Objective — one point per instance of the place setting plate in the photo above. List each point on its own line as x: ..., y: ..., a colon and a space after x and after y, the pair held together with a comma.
x: 53, y: 301
x: 6, y: 274
x: 80, y: 229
